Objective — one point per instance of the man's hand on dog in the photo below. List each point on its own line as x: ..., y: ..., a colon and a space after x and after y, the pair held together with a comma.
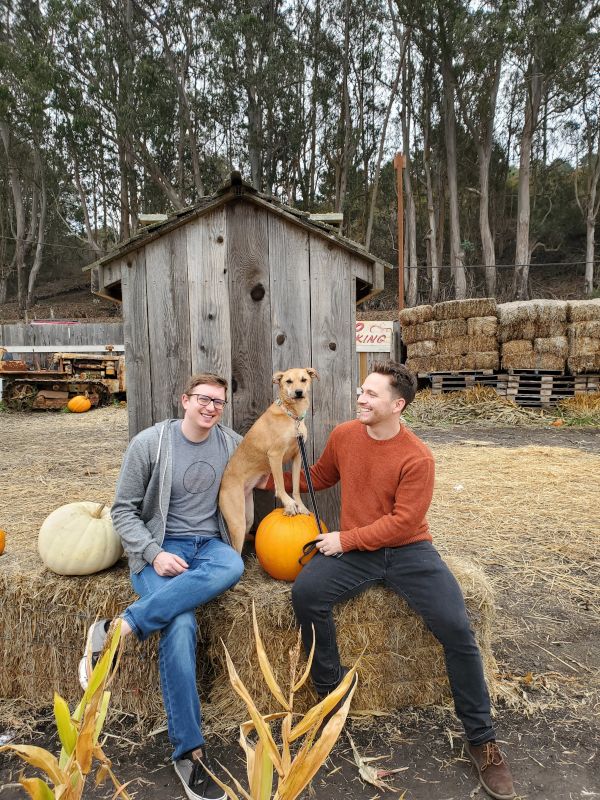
x: 168, y: 564
x: 329, y: 543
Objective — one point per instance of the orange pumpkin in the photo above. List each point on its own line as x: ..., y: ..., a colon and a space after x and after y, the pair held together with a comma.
x: 79, y: 404
x: 2, y: 541
x: 279, y: 542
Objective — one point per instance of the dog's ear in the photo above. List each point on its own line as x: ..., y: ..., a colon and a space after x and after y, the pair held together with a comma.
x: 313, y: 373
x: 277, y: 376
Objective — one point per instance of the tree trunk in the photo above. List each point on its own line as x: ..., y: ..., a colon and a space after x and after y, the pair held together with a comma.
x: 41, y: 229
x: 457, y: 256
x: 20, y: 234
x: 590, y: 232
x: 487, y: 240
x: 523, y: 246
x: 3, y: 290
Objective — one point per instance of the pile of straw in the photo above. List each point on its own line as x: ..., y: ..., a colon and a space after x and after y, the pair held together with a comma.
x: 584, y: 336
x: 461, y: 335
x: 480, y: 405
x: 403, y: 664
x: 533, y: 334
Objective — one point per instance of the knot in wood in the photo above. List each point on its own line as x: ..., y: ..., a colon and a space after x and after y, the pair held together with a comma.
x: 280, y: 338
x: 332, y: 346
x: 257, y: 292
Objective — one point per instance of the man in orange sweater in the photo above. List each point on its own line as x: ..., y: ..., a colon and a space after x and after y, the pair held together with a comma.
x: 384, y: 538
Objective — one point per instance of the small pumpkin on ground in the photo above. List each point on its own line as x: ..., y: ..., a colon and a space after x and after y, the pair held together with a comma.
x: 279, y: 543
x: 79, y: 539
x: 79, y: 404
x: 2, y: 541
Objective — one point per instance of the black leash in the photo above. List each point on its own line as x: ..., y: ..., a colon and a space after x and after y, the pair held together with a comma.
x: 310, y: 546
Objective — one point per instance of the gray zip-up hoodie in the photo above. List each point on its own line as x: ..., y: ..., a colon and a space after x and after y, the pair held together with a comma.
x: 143, y: 492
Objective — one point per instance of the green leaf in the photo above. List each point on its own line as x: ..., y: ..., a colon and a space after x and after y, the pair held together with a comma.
x: 67, y: 732
x: 37, y: 789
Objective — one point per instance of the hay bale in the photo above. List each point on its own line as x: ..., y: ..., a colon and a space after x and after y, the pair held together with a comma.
x: 412, y: 316
x: 421, y: 349
x: 522, y: 330
x: 591, y: 328
x: 548, y: 361
x: 583, y: 310
x: 421, y: 365
x: 557, y: 346
x: 516, y: 320
x: 584, y: 346
x: 518, y: 354
x: 447, y: 363
x: 463, y: 309
x: 489, y: 360
x: 450, y: 328
x: 51, y: 614
x: 548, y: 328
x: 418, y: 333
x: 581, y: 364
x: 551, y: 311
x: 482, y: 326
x: 518, y: 347
x: 455, y: 346
x: 461, y: 345
x: 402, y: 665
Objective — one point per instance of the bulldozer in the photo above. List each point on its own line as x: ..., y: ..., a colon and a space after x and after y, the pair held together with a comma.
x: 26, y: 387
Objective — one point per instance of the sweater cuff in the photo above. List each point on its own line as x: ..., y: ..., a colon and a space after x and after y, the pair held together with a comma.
x: 151, y: 552
x: 349, y: 540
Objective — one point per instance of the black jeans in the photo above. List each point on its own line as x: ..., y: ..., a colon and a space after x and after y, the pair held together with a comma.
x: 417, y: 573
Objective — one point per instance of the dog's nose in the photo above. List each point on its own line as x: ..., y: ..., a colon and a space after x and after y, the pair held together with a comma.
x: 299, y: 393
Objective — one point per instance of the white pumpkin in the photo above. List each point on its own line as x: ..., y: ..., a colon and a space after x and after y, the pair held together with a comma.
x: 79, y: 539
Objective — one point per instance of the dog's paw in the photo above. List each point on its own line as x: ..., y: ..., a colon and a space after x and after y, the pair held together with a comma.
x: 302, y: 509
x: 290, y: 509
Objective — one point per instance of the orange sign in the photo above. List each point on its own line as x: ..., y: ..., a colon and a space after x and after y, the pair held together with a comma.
x: 374, y: 337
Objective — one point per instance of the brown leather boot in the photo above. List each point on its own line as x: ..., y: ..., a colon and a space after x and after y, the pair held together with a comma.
x: 493, y: 771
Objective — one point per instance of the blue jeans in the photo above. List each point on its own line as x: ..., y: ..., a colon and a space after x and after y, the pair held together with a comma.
x: 417, y: 573
x: 168, y: 605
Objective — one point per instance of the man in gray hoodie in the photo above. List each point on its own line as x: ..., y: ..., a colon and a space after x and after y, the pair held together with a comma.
x: 166, y: 514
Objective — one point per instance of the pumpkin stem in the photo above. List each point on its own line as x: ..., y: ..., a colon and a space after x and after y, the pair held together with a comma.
x: 99, y: 510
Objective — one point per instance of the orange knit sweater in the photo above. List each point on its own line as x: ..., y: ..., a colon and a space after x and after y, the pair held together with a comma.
x: 386, y: 486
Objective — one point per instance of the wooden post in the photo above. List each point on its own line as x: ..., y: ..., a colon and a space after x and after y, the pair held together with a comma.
x: 399, y: 164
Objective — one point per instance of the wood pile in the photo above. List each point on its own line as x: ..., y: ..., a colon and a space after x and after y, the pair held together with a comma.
x: 451, y: 336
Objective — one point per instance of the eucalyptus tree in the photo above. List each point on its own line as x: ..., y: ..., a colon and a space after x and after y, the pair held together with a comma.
x: 550, y: 38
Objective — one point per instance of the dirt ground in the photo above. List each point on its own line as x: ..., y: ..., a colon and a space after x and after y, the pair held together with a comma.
x: 547, y: 645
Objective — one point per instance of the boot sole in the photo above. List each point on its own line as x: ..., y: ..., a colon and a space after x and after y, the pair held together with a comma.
x: 491, y: 793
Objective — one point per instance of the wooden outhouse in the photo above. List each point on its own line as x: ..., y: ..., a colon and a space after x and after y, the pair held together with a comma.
x: 243, y: 286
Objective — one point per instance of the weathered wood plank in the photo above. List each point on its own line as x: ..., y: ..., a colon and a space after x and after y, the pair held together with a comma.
x: 210, y: 324
x: 249, y: 291
x: 289, y: 264
x: 137, y: 343
x: 168, y: 322
x: 333, y: 325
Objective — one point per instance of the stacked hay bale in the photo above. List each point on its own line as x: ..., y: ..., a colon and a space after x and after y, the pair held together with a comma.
x: 451, y: 336
x: 533, y: 334
x: 402, y: 665
x: 584, y: 336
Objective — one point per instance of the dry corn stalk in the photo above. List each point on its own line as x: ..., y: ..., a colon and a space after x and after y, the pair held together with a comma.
x: 316, y: 739
x: 78, y: 734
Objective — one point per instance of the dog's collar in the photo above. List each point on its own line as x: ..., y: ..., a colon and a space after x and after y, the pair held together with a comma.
x: 288, y: 412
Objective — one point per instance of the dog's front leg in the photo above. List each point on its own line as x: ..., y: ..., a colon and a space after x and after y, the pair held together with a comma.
x: 296, y: 464
x: 276, y: 463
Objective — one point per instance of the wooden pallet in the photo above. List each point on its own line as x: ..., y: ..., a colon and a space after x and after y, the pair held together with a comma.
x: 538, y: 388
x: 459, y: 381
x: 587, y: 384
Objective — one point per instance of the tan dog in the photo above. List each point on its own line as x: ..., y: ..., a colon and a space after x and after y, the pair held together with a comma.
x: 267, y: 446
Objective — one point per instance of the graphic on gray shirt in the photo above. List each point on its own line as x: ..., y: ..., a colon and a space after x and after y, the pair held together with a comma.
x: 197, y: 471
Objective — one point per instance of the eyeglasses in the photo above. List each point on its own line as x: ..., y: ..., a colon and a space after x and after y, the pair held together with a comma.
x: 204, y: 401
